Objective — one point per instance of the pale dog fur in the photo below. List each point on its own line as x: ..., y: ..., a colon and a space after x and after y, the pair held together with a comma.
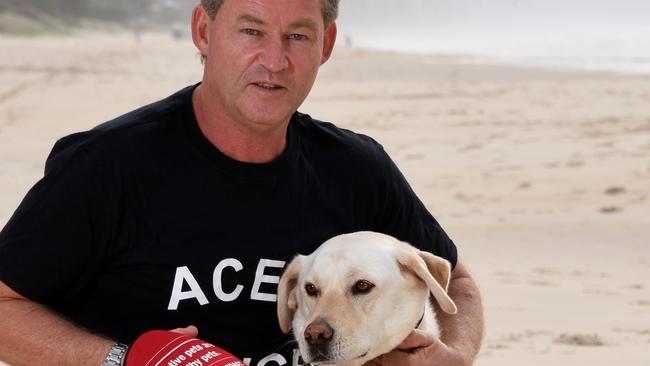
x: 365, y: 325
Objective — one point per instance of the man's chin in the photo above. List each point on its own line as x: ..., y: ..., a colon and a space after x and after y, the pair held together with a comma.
x: 267, y: 120
x: 268, y: 111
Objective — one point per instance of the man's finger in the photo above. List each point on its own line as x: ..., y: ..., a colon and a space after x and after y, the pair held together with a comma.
x: 416, y: 339
x: 190, y: 331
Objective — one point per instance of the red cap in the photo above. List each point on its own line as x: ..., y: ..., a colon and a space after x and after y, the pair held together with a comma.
x: 165, y: 348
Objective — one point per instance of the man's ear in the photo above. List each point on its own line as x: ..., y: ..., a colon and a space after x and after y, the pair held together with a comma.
x: 200, y: 29
x: 287, y: 296
x: 328, y: 43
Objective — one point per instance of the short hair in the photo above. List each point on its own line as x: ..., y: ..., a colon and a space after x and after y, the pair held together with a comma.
x: 330, y: 9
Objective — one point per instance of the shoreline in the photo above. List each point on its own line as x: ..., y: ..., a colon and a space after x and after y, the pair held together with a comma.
x: 530, y: 61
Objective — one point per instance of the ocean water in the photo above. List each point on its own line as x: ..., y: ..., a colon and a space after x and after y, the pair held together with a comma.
x: 577, y: 34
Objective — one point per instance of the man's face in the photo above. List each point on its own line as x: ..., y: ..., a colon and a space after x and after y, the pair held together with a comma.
x: 263, y: 57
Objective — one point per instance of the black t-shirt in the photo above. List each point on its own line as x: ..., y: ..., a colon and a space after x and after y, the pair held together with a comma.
x: 141, y: 223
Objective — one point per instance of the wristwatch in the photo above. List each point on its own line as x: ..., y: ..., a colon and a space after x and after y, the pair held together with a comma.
x: 115, y: 355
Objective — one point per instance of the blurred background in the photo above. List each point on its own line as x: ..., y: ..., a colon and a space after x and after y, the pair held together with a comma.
x: 591, y: 34
x: 594, y: 34
x: 524, y: 127
x: 31, y: 16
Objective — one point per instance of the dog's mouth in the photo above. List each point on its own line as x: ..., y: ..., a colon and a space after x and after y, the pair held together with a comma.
x: 321, y: 360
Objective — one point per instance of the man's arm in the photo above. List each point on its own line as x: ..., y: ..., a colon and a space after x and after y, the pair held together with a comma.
x: 461, y: 334
x: 31, y: 334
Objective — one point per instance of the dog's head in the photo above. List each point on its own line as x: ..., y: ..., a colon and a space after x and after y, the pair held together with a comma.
x: 358, y: 296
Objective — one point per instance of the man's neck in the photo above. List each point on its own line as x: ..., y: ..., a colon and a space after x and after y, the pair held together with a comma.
x: 236, y: 140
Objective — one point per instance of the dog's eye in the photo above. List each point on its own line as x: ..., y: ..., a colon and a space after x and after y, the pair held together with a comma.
x: 311, y: 289
x: 362, y: 287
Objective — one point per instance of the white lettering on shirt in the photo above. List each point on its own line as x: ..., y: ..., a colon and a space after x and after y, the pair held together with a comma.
x: 260, y: 278
x: 216, y: 280
x: 274, y: 357
x: 296, y: 358
x: 183, y: 275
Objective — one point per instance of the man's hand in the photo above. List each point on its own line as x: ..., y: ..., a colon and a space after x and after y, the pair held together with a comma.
x: 190, y: 331
x: 461, y: 333
x: 420, y: 348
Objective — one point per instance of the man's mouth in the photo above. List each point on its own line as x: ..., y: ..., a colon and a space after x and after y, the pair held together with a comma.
x: 268, y: 86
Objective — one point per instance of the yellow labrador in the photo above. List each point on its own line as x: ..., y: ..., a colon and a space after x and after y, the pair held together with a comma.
x: 358, y: 296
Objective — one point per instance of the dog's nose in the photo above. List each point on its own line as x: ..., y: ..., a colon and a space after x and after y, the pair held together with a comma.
x: 318, y: 333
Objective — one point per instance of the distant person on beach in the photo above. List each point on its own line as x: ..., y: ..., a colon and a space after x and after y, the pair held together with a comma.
x: 185, y: 211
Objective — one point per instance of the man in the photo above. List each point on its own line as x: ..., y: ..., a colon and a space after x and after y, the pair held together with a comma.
x: 185, y: 211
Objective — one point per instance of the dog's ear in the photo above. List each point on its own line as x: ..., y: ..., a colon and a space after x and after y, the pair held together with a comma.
x: 434, y: 271
x: 439, y: 268
x: 287, y: 296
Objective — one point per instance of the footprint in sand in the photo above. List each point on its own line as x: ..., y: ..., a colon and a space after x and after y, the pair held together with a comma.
x: 575, y: 163
x: 610, y: 209
x: 524, y: 185
x: 592, y: 340
x: 615, y: 190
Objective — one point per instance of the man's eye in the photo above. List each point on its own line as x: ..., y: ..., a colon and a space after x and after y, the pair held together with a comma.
x: 250, y: 31
x: 298, y: 37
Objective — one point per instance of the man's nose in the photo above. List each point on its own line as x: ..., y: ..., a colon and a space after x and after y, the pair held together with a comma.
x: 274, y: 55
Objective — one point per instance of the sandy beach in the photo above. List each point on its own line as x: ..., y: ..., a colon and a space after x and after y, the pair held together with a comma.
x: 541, y: 177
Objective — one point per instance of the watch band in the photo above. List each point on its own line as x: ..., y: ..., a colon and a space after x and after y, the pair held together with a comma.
x: 115, y: 355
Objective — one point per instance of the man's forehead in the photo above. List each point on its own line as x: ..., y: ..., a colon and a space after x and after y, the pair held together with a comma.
x: 296, y: 13
x: 294, y: 23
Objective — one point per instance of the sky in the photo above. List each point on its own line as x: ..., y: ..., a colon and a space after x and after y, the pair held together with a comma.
x: 497, y: 16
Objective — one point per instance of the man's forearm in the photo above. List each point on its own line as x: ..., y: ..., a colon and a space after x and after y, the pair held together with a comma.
x: 463, y: 332
x: 31, y: 334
